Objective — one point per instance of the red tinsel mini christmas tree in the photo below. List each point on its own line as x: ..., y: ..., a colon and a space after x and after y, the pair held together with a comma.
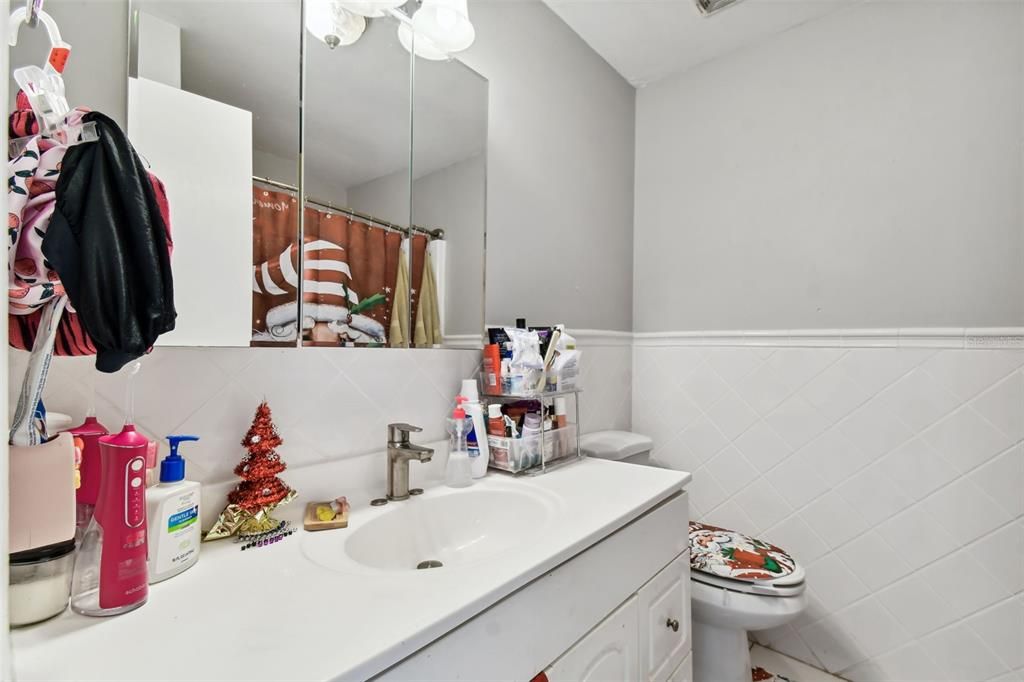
x: 260, y: 486
x: 252, y: 502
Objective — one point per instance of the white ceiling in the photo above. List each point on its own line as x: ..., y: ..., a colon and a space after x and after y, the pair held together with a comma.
x: 646, y: 40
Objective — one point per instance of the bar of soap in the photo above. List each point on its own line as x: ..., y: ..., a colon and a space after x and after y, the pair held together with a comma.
x: 326, y: 515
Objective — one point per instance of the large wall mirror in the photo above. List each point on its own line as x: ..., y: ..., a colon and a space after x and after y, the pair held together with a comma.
x: 283, y: 151
x: 449, y: 193
x: 391, y: 180
x: 395, y: 186
x: 234, y: 75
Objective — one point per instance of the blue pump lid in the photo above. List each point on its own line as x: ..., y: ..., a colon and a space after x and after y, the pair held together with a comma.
x: 172, y: 468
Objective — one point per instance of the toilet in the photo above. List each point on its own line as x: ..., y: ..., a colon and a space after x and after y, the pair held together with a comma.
x: 737, y: 583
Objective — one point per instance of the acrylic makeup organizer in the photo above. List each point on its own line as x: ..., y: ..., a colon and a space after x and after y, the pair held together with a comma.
x: 548, y: 450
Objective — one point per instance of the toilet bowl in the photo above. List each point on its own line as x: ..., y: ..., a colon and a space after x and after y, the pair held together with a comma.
x: 737, y: 583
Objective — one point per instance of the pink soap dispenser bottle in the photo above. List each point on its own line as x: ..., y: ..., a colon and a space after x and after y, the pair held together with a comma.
x: 110, y: 575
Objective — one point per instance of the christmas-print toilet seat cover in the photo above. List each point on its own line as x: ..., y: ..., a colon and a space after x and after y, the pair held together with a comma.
x: 730, y: 554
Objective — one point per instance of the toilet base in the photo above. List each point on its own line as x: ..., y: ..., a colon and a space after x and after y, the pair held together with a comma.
x: 720, y: 654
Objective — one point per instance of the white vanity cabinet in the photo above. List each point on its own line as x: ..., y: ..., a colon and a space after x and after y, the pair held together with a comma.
x: 684, y: 673
x: 618, y: 611
x: 647, y: 638
x: 608, y: 652
x: 665, y: 620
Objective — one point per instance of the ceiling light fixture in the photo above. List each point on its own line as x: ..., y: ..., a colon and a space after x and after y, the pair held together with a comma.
x: 372, y: 8
x: 445, y: 23
x: 331, y: 23
x: 420, y: 45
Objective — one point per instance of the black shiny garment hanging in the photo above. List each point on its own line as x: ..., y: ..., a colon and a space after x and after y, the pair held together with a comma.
x: 108, y: 241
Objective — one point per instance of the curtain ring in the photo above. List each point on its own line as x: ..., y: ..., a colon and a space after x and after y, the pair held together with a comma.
x: 32, y: 10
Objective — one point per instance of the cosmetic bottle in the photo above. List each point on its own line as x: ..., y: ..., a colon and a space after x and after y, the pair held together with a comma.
x: 495, y: 421
x: 561, y: 419
x: 491, y: 376
x: 531, y: 436
x: 506, y: 376
x: 478, y: 434
x: 172, y: 508
x: 458, y: 472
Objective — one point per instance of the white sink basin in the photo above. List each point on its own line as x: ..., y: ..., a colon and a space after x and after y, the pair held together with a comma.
x: 452, y: 527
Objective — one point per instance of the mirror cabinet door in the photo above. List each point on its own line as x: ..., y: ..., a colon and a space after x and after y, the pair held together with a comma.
x: 213, y: 106
x: 356, y: 135
x: 448, y: 204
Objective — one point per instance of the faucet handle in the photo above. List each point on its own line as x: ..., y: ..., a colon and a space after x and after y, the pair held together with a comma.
x: 399, y: 433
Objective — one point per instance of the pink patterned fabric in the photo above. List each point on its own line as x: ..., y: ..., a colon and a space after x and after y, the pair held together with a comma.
x: 31, y: 196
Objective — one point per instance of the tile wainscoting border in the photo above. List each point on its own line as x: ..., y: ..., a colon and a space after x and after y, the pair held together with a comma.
x: 970, y: 338
x: 929, y: 337
x: 586, y: 337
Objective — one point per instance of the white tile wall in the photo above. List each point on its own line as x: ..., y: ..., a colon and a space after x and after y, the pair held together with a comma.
x: 327, y: 403
x: 895, y: 475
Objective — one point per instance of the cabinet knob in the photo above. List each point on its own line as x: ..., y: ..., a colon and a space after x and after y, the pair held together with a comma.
x: 672, y: 623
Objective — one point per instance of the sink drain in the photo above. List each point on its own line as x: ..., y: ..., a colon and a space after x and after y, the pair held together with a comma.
x: 429, y: 563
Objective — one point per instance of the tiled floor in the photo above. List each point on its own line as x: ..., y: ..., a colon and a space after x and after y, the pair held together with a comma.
x: 782, y: 668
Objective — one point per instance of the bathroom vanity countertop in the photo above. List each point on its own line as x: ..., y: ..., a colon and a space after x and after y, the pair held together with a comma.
x: 273, y: 613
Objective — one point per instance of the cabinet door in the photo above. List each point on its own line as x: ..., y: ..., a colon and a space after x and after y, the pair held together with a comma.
x: 608, y: 653
x: 665, y: 620
x: 684, y: 673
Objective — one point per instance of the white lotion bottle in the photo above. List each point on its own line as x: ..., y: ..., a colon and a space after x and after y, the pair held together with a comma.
x: 475, y: 411
x: 172, y: 508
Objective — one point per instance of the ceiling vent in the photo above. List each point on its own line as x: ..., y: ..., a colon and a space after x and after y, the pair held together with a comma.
x: 709, y: 7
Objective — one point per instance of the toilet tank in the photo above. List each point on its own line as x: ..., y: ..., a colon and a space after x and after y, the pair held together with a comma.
x: 624, y: 446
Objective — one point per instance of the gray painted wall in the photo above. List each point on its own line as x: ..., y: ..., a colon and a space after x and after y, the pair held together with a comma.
x: 451, y: 198
x: 862, y: 170
x: 559, y: 171
x: 96, y: 76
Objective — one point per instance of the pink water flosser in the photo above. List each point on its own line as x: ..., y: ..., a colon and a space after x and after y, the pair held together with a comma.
x: 121, y: 513
x: 110, y: 572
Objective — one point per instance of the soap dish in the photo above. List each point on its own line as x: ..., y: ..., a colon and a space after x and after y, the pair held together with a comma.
x: 317, y: 518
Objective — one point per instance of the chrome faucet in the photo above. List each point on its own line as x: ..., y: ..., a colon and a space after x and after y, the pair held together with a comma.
x: 400, y: 451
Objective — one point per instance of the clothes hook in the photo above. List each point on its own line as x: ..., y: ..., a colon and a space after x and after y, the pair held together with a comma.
x: 32, y: 10
x: 43, y: 86
x: 30, y: 14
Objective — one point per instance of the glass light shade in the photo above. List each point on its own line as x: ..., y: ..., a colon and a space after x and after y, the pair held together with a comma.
x: 332, y: 24
x: 371, y: 8
x: 423, y: 48
x: 445, y: 23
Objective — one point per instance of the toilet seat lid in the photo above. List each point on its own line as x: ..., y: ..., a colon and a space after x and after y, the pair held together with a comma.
x: 730, y: 554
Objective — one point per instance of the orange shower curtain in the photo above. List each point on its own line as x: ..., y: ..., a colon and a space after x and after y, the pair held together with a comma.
x: 350, y: 280
x: 274, y: 228
x: 351, y: 270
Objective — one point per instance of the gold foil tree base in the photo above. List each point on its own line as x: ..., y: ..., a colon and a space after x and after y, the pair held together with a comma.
x: 235, y: 520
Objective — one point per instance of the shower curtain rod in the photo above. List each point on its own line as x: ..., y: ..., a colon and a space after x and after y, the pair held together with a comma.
x: 437, y: 233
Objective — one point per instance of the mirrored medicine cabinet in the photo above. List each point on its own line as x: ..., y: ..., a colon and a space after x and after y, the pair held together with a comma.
x: 357, y: 165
